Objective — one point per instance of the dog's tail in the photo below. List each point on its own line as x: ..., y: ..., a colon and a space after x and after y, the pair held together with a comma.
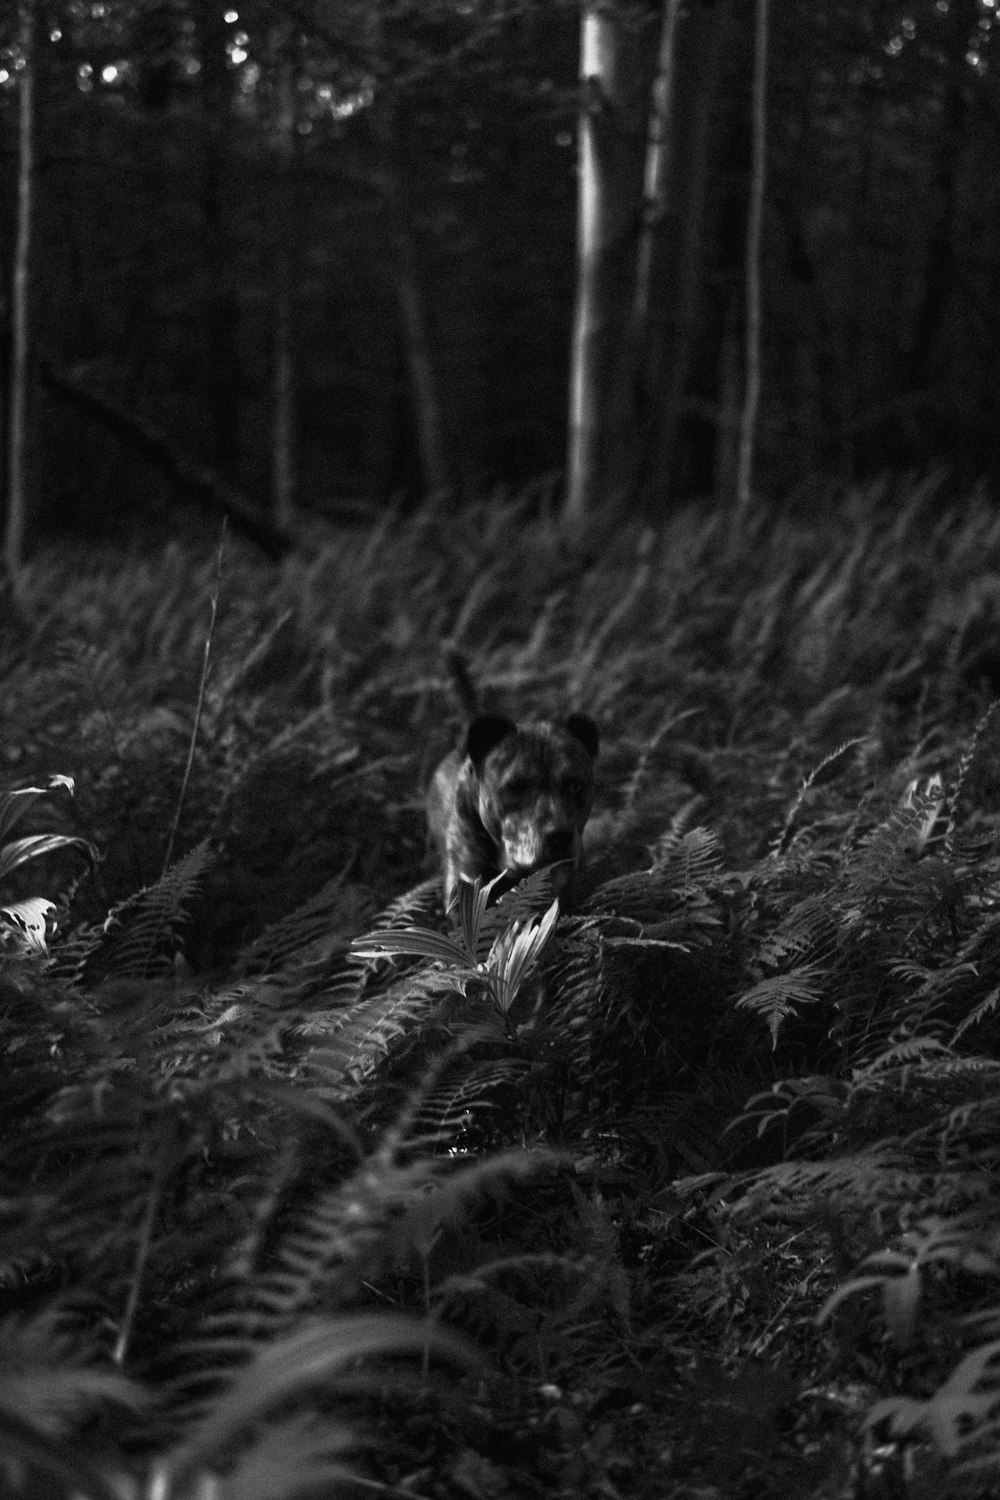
x: 461, y: 681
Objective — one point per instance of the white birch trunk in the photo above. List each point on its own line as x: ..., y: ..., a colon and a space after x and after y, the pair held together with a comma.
x: 610, y: 80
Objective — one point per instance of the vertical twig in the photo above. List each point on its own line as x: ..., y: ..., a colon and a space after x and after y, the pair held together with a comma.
x: 145, y: 1241
x: 201, y: 697
x: 755, y: 220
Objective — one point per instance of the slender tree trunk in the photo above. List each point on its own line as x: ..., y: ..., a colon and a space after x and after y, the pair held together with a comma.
x: 630, y: 394
x: 702, y: 42
x: 609, y: 162
x: 18, y: 442
x: 755, y: 222
x: 421, y: 375
x: 728, y: 422
x: 420, y: 369
x: 810, y: 341
x: 940, y: 260
x: 656, y: 184
x: 221, y: 320
x: 283, y: 396
x: 282, y: 329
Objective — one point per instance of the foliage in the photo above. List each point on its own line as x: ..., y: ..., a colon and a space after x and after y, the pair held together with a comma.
x: 309, y: 1184
x: 23, y: 923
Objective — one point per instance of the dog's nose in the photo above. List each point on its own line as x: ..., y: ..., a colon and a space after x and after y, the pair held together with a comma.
x: 559, y: 845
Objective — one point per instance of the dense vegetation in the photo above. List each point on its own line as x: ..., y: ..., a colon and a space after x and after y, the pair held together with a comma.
x: 697, y: 1197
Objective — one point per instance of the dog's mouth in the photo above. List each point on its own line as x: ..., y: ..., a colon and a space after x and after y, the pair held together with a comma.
x: 526, y: 849
x: 559, y: 874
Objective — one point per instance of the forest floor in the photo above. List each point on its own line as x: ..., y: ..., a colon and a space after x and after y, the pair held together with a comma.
x: 698, y: 1197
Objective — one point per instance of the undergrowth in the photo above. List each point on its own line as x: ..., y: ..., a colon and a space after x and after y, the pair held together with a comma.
x: 312, y: 1188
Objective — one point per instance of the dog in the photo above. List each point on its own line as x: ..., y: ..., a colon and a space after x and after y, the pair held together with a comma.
x: 513, y: 799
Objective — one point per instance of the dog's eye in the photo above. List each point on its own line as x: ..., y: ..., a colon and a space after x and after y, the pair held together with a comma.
x: 574, y: 787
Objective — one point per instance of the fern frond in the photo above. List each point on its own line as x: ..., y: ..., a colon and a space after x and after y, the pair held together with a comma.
x: 985, y: 1007
x: 35, y: 1455
x: 311, y: 931
x: 686, y: 868
x: 778, y: 996
x: 781, y: 841
x: 347, y: 1045
x: 795, y: 1190
x: 315, y: 1355
x: 962, y: 772
x: 458, y: 1100
x: 810, y: 928
x: 47, y: 1380
x: 140, y: 937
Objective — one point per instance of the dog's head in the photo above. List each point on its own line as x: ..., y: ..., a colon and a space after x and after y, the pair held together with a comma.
x: 534, y: 786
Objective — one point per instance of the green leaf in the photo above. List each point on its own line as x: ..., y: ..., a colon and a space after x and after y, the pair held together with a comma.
x: 516, y: 951
x: 417, y: 942
x: 28, y: 919
x: 18, y: 853
x: 14, y: 805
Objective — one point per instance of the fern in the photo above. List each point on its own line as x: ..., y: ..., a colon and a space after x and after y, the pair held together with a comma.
x: 901, y: 1275
x: 959, y: 1417
x: 314, y: 1355
x: 218, y: 1167
x: 776, y: 998
x: 306, y: 936
x: 140, y: 937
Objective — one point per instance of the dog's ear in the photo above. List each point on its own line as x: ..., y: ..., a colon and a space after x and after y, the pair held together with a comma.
x: 484, y: 733
x: 584, y: 730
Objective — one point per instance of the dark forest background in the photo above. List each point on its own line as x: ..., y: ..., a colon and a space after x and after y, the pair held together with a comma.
x: 327, y: 250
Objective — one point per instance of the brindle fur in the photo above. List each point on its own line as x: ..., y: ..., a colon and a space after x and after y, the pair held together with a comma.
x: 513, y: 800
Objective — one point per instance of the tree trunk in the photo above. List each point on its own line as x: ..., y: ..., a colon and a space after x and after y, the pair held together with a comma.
x: 420, y: 370
x: 728, y: 420
x: 656, y: 185
x: 630, y: 394
x: 702, y: 44
x: 282, y: 328
x: 221, y: 329
x: 755, y: 223
x: 282, y: 395
x: 940, y: 264
x: 609, y: 183
x: 19, y: 415
x: 425, y: 400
